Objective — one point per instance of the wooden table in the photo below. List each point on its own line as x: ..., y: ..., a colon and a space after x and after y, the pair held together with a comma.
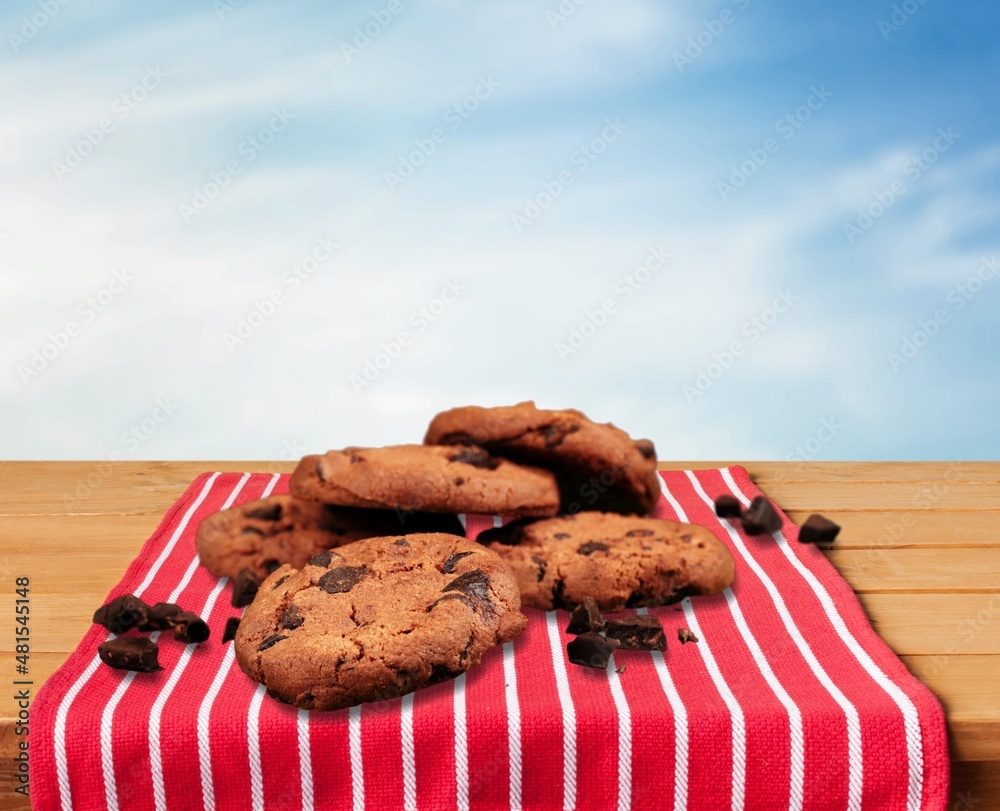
x: 920, y: 546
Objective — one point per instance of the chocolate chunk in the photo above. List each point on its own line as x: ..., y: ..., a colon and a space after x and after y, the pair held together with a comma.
x: 642, y: 632
x: 591, y: 650
x: 122, y: 613
x: 245, y: 588
x: 232, y: 624
x: 291, y: 618
x: 638, y: 533
x: 279, y: 581
x: 323, y: 559
x: 460, y: 597
x: 475, y: 584
x: 130, y: 653
x: 271, y: 641
x: 189, y: 627
x: 555, y: 434
x: 727, y: 506
x: 646, y: 448
x: 561, y: 536
x: 161, y: 616
x: 593, y: 546
x: 684, y: 635
x: 818, y: 529
x: 585, y: 618
x: 542, y: 565
x: 266, y: 512
x: 477, y: 457
x: 342, y: 580
x: 400, y: 542
x: 761, y: 518
x: 449, y: 565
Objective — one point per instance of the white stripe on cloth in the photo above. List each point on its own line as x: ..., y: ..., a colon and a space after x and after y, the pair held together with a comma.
x: 107, y: 715
x: 305, y: 760
x: 568, y: 712
x: 155, y: 759
x: 205, y: 710
x: 855, y: 762
x: 735, y: 711
x: 409, y: 756
x: 253, y: 749
x: 680, y: 728
x: 513, y: 725
x: 461, y: 747
x: 357, y: 761
x: 911, y: 719
x: 797, y: 747
x: 624, y: 739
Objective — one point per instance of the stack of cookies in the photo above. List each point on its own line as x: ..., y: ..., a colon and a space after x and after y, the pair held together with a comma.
x: 365, y: 588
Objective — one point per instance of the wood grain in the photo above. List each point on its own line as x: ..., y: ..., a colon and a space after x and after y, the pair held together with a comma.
x: 920, y: 545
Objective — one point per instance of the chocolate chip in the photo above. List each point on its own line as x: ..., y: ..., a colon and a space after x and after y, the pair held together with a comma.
x: 585, y: 618
x: 245, y: 588
x: 591, y: 650
x: 638, y: 533
x: 308, y: 698
x: 229, y: 634
x: 266, y: 512
x: 555, y: 434
x: 291, y: 618
x: 684, y: 635
x: 727, y: 506
x: 271, y: 641
x: 459, y: 481
x: 646, y: 448
x: 449, y: 565
x: 440, y: 673
x: 477, y: 457
x: 189, y: 627
x: 561, y: 536
x: 642, y: 632
x: 459, y: 597
x: 355, y: 459
x: 122, y: 613
x: 593, y: 546
x: 818, y: 529
x: 542, y: 565
x: 475, y: 584
x: 130, y: 653
x: 161, y: 616
x: 279, y: 581
x: 761, y: 518
x: 343, y: 579
x: 323, y: 559
x: 402, y: 542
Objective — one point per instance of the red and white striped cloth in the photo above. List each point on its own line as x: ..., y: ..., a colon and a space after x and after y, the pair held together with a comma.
x: 789, y: 700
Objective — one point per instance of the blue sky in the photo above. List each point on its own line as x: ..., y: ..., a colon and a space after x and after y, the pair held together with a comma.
x: 747, y: 230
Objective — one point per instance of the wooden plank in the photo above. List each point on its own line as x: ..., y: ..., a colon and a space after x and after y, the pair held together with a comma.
x: 975, y: 786
x: 883, y: 496
x: 936, y: 623
x: 969, y: 690
x: 909, y: 529
x: 144, y: 487
x: 923, y: 571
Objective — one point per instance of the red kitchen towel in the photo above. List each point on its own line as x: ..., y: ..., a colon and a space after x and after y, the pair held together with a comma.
x: 788, y: 700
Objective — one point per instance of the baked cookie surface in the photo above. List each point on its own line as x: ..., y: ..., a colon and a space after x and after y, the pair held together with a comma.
x: 263, y: 534
x: 448, y: 479
x: 377, y: 619
x: 620, y: 561
x: 598, y: 466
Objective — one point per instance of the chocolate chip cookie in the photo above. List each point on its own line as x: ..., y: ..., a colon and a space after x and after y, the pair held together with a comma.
x: 599, y: 466
x: 376, y: 619
x: 446, y: 479
x: 620, y: 561
x: 261, y: 535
